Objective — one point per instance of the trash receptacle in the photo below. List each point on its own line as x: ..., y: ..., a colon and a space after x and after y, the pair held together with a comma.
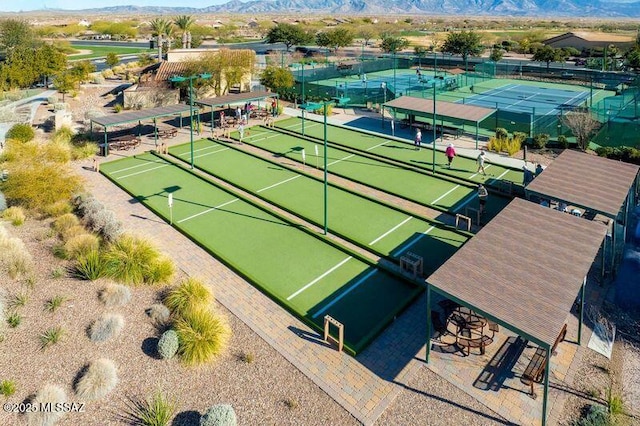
x: 152, y: 44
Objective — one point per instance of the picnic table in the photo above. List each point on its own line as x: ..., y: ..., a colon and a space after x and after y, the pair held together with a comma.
x: 168, y: 133
x: 470, y: 329
x: 124, y: 142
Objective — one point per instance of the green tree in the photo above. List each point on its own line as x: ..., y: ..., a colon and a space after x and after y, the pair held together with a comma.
x: 50, y: 60
x: 277, y: 79
x: 334, y: 38
x: 112, y: 59
x: 633, y: 58
x: 496, y: 55
x: 366, y: 33
x: 160, y: 29
x: 15, y: 33
x: 65, y: 82
x: 288, y: 34
x: 20, y: 68
x: 393, y: 44
x: 420, y: 52
x: 465, y: 44
x: 547, y: 54
x: 82, y: 69
x: 184, y: 23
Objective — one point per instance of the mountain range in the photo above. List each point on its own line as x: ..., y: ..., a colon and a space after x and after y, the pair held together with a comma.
x: 525, y: 8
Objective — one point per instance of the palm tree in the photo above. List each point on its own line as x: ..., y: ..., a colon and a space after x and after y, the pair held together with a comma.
x: 185, y: 22
x: 161, y: 28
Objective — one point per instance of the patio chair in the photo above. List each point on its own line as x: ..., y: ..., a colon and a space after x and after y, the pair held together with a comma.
x: 439, y: 326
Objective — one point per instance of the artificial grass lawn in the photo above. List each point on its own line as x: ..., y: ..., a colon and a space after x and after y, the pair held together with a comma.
x: 409, y: 184
x: 276, y: 256
x: 463, y: 167
x: 99, y: 51
x: 372, y: 225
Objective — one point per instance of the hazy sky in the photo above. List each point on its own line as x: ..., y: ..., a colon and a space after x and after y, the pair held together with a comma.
x: 24, y: 5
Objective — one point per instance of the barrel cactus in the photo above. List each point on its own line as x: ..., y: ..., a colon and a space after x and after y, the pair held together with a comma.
x: 168, y: 344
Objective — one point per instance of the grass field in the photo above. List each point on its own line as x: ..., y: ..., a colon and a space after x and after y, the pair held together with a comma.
x: 370, y: 224
x: 100, y: 51
x: 409, y: 184
x: 304, y: 273
x: 463, y: 168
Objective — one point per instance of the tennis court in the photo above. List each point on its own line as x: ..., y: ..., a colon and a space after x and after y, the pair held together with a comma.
x: 463, y: 168
x: 394, y: 179
x: 298, y: 269
x: 522, y: 98
x: 386, y: 231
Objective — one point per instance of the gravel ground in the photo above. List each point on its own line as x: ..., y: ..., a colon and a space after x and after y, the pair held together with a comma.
x: 259, y: 390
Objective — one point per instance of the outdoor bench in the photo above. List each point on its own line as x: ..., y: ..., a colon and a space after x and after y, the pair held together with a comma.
x: 535, y: 370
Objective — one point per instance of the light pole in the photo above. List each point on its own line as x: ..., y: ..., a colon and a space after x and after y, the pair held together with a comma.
x: 433, y: 164
x: 180, y: 79
x: 383, y: 86
x: 325, y: 169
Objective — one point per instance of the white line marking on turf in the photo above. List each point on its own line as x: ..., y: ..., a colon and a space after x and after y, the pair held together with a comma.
x: 342, y: 159
x: 344, y: 293
x: 445, y: 194
x: 139, y: 165
x: 470, y: 197
x: 319, y: 278
x: 380, y: 144
x: 209, y: 153
x: 476, y: 173
x: 390, y: 230
x: 143, y: 171
x: 415, y: 240
x: 503, y: 173
x: 201, y: 149
x: 209, y: 210
x: 279, y: 183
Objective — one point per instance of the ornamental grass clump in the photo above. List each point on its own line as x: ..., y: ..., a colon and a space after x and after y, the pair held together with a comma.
x: 15, y: 215
x: 133, y: 260
x: 65, y: 222
x: 188, y: 295
x: 80, y: 245
x: 100, y: 378
x: 14, y: 257
x: 157, y: 410
x: 202, y: 334
x: 106, y: 327
x: 49, y: 395
x: 90, y: 266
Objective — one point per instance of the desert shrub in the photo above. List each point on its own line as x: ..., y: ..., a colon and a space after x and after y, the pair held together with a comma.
x: 80, y: 245
x: 190, y: 294
x: 501, y: 133
x: 52, y: 100
x: 65, y: 222
x: 105, y: 223
x: 596, y: 415
x: 22, y: 132
x: 49, y: 394
x: 63, y: 135
x: 106, y: 327
x: 36, y: 183
x: 60, y: 106
x: 623, y: 153
x: 157, y: 410
x: 540, y: 140
x: 57, y: 209
x: 115, y: 295
x: 563, y: 141
x: 15, y: 215
x: 495, y: 144
x: 219, y: 415
x: 14, y: 319
x: 7, y: 388
x: 168, y: 344
x: 14, y: 257
x: 159, y: 313
x: 84, y: 150
x: 117, y: 108
x: 54, y: 303
x: 512, y: 145
x: 97, y: 79
x: 161, y: 271
x: 99, y: 379
x: 90, y: 266
x: 131, y: 260
x: 57, y: 152
x: 57, y: 272
x: 202, y: 335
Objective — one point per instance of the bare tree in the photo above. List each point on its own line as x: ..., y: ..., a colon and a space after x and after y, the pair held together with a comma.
x: 582, y: 125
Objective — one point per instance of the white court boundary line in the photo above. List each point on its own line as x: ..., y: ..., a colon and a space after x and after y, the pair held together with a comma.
x: 139, y: 165
x: 143, y: 171
x: 343, y: 294
x: 391, y: 230
x: 414, y: 241
x: 209, y: 153
x: 342, y: 159
x: 342, y: 262
x: 279, y: 183
x: 208, y: 210
x: 200, y: 149
x: 445, y: 194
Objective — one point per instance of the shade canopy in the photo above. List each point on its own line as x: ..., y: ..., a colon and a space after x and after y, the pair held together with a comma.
x: 424, y: 107
x: 140, y: 115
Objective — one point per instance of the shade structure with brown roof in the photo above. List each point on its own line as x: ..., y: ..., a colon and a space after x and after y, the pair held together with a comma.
x: 235, y: 98
x: 524, y: 269
x: 424, y: 107
x: 587, y: 181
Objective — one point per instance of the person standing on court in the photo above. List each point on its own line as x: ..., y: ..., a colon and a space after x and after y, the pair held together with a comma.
x: 450, y: 152
x: 483, y: 194
x: 238, y: 113
x: 241, y: 131
x: 418, y: 140
x: 481, y: 160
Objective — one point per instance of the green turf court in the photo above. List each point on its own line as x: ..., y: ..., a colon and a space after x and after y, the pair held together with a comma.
x: 304, y: 273
x: 409, y: 184
x: 463, y: 167
x: 370, y: 224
